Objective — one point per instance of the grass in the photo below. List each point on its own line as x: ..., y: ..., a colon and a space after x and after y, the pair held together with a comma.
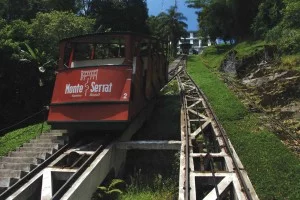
x: 10, y: 141
x: 272, y: 168
x: 151, y: 175
x: 291, y: 61
x: 249, y: 47
x: 154, y: 174
x: 148, y: 194
x: 214, y: 55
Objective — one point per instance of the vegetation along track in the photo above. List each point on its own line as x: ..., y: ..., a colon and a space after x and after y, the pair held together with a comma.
x: 212, y: 169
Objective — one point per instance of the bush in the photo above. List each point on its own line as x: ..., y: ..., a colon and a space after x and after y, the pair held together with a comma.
x: 287, y: 33
x: 291, y: 17
x: 290, y: 41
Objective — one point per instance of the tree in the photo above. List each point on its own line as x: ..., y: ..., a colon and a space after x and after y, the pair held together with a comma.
x: 216, y: 21
x: 287, y: 32
x: 66, y: 5
x: 25, y: 48
x: 171, y: 27
x: 26, y: 10
x: 18, y: 80
x: 48, y: 28
x: 239, y: 15
x: 130, y: 15
x: 269, y: 14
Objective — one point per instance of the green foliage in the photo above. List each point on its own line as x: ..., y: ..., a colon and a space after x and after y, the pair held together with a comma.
x: 287, y: 33
x: 291, y: 13
x: 291, y: 60
x: 169, y: 26
x: 26, y: 50
x: 286, y: 39
x: 290, y: 41
x: 120, y: 15
x: 155, y: 175
x: 269, y: 14
x: 171, y: 89
x: 14, y: 139
x: 216, y: 20
x: 148, y: 194
x: 47, y: 29
x: 67, y: 5
x: 11, y: 37
x: 111, y: 191
x: 26, y: 10
x: 225, y: 19
x: 225, y: 104
x: 19, y: 9
x: 249, y: 47
x: 273, y: 177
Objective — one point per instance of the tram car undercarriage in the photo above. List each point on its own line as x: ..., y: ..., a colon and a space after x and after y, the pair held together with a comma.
x: 104, y: 80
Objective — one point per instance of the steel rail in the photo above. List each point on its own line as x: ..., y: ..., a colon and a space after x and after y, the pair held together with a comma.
x: 187, y: 130
x: 225, y: 139
x: 79, y: 172
x: 187, y: 149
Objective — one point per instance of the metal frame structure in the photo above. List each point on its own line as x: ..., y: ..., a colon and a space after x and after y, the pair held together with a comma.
x: 212, y: 169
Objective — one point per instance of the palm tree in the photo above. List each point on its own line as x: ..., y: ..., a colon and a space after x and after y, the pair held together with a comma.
x: 173, y: 26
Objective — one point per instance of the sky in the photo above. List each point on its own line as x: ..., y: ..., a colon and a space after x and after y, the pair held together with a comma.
x: 157, y: 6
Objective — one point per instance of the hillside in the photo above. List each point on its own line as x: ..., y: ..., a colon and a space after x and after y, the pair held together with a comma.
x: 266, y: 141
x: 265, y: 81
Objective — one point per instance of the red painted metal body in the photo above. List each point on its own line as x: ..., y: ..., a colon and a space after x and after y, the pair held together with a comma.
x: 107, y: 87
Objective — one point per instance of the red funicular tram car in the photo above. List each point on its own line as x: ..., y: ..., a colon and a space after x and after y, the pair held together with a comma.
x: 105, y: 79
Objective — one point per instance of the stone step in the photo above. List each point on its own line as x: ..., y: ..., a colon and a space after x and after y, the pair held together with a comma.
x: 57, y: 141
x: 29, y: 154
x: 53, y: 133
x: 50, y: 136
x: 38, y: 149
x: 45, y: 145
x: 10, y: 173
x: 59, y: 131
x: 27, y: 167
x: 30, y: 160
x: 7, y: 182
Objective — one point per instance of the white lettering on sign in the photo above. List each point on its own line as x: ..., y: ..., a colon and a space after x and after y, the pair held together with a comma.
x: 88, y: 88
x: 101, y: 87
x: 95, y: 88
x: 89, y: 74
x: 73, y: 89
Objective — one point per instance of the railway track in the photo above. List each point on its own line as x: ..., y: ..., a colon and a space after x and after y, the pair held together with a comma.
x: 210, y: 166
x: 53, y: 152
x: 20, y: 165
x: 47, y: 167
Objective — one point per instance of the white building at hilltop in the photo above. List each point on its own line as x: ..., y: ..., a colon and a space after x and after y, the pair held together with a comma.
x: 195, y: 41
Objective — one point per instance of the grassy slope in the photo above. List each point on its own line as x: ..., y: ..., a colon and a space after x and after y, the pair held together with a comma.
x: 272, y: 168
x: 164, y: 124
x: 16, y: 138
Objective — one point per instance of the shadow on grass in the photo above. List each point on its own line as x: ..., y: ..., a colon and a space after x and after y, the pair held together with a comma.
x: 164, y: 123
